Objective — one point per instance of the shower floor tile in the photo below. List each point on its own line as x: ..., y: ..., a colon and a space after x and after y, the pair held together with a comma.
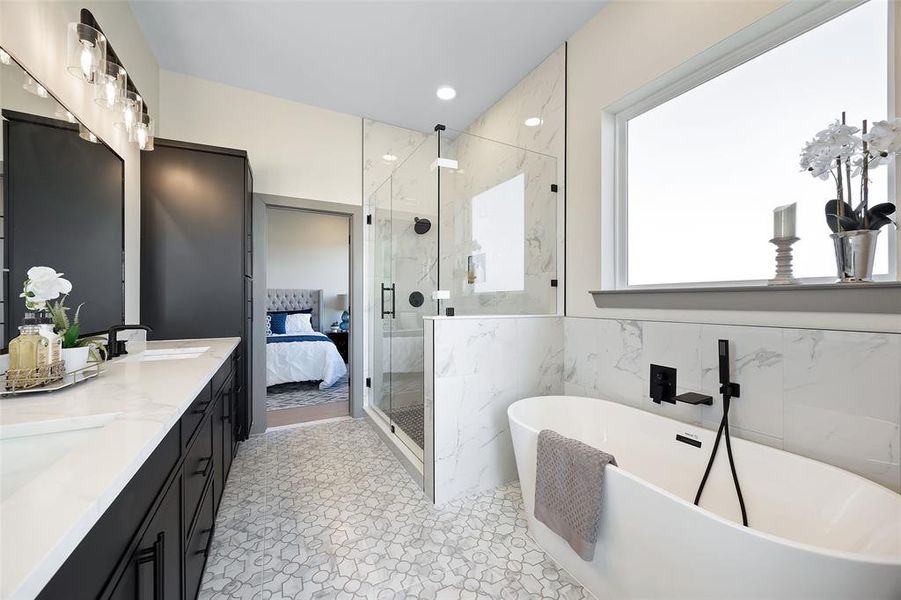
x: 327, y: 511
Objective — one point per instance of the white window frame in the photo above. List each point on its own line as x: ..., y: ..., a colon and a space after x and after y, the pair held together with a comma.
x: 781, y: 26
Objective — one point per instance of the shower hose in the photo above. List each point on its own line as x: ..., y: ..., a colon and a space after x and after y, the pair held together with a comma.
x: 724, y: 430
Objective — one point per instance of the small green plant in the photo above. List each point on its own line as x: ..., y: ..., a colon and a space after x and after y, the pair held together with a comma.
x: 69, y: 329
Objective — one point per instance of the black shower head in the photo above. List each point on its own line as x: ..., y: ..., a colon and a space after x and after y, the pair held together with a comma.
x: 422, y: 225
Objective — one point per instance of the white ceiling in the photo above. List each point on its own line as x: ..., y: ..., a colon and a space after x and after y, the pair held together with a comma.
x: 377, y: 59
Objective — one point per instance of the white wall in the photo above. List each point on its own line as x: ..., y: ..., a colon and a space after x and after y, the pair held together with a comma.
x: 35, y: 34
x: 309, y: 250
x: 296, y: 150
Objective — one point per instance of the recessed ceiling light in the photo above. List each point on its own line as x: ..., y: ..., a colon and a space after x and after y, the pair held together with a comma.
x: 533, y: 122
x: 446, y: 92
x: 389, y: 157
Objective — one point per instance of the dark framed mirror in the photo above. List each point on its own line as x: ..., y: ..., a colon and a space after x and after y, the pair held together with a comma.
x: 63, y: 204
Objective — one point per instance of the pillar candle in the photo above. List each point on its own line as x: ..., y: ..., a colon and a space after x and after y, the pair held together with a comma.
x: 784, y: 221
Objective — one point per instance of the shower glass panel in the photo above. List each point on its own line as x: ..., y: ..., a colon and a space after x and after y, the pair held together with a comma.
x: 404, y: 245
x: 498, y: 227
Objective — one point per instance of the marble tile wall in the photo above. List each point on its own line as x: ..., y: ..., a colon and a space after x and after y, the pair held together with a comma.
x: 832, y: 396
x: 481, y: 366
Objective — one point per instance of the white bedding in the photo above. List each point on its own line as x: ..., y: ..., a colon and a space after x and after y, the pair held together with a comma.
x: 287, y: 362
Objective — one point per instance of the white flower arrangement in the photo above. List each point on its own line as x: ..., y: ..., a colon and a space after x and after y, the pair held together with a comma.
x: 834, y: 151
x: 43, y: 284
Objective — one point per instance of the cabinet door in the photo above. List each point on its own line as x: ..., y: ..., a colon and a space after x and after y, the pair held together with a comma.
x: 154, y: 571
x: 218, y: 448
x: 228, y: 425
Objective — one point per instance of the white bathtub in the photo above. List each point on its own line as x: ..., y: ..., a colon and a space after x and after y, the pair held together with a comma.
x: 816, y: 531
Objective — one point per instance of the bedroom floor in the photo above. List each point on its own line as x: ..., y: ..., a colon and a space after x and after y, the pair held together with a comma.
x: 291, y: 403
x: 327, y: 511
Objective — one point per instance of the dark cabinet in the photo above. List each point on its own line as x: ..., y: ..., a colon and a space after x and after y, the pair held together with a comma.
x: 153, y: 571
x: 197, y: 249
x: 152, y: 542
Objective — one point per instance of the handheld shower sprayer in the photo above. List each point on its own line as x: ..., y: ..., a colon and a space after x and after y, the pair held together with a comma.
x: 729, y: 390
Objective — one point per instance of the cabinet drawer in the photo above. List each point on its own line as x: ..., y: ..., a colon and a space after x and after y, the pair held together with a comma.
x: 198, y: 544
x: 222, y: 374
x: 198, y: 468
x: 194, y: 415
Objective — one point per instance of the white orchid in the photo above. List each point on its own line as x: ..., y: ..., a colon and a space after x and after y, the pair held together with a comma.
x: 43, y: 284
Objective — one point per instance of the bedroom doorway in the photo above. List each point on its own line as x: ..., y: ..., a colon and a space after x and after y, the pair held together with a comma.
x: 308, y: 279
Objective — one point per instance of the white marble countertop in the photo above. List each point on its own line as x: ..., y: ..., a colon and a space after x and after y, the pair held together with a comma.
x: 61, y: 483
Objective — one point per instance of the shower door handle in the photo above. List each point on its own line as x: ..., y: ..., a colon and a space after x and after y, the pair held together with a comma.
x: 391, y: 289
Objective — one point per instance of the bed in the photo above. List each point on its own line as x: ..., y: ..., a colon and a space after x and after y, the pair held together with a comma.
x: 310, y: 356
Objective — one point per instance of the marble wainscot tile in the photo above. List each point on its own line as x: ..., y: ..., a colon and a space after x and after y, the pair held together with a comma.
x: 580, y: 356
x: 842, y: 400
x: 757, y: 366
x: 676, y: 345
x: 483, y: 366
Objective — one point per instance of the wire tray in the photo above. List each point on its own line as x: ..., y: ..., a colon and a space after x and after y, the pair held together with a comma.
x: 36, y: 380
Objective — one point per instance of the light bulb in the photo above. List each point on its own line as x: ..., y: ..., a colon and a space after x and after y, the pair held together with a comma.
x: 141, y: 136
x: 87, y: 60
x: 109, y: 92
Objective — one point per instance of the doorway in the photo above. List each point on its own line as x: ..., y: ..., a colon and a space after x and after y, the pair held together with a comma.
x: 308, y: 283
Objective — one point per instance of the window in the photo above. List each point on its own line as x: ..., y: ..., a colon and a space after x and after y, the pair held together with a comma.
x: 700, y: 171
x: 497, y: 263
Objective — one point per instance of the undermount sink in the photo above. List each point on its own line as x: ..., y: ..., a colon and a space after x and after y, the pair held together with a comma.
x: 156, y: 354
x: 27, y: 449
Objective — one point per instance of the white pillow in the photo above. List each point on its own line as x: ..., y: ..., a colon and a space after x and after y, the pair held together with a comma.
x: 298, y: 324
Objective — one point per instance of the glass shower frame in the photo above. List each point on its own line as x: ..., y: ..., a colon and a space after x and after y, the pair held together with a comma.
x: 492, y: 243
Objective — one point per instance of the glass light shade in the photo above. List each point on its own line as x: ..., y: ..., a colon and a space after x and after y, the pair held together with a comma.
x: 142, y: 132
x: 109, y: 86
x: 86, y: 52
x: 33, y: 87
x: 132, y: 106
x: 87, y: 135
x: 62, y: 113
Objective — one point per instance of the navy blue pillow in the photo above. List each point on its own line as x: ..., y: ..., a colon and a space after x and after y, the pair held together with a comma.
x: 277, y: 322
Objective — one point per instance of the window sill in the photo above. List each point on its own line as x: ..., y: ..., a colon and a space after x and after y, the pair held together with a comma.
x: 879, y: 297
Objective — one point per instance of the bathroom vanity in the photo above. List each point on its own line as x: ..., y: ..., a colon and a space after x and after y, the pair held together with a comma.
x: 109, y: 489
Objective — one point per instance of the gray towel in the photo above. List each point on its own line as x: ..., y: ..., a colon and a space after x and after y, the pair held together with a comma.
x: 569, y: 486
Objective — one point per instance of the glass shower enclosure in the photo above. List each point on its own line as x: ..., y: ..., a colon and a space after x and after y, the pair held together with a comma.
x: 459, y: 213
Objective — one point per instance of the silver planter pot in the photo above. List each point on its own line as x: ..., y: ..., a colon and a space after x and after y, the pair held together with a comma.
x: 855, y: 252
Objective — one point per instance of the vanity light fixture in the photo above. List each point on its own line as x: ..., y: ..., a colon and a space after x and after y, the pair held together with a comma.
x: 109, y: 88
x: 33, y: 87
x: 142, y: 132
x: 533, y: 122
x: 446, y: 92
x: 389, y: 157
x: 87, y: 135
x: 86, y: 51
x: 132, y: 106
x: 62, y: 113
x: 5, y: 58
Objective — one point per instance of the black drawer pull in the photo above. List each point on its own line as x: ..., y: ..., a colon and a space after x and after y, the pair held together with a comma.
x: 155, y: 555
x: 201, y: 408
x: 206, y: 469
x: 206, y: 544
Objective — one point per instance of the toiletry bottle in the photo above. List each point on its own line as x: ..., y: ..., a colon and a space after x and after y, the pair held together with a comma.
x: 26, y: 352
x: 54, y: 341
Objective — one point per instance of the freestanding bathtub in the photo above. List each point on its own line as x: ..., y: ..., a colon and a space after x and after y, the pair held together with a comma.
x: 815, y: 531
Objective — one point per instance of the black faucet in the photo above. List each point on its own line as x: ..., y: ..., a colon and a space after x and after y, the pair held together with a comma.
x: 116, y: 347
x: 663, y: 388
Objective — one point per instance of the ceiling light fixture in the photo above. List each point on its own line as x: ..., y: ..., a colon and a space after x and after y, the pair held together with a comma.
x: 446, y: 92
x: 389, y: 157
x: 533, y: 122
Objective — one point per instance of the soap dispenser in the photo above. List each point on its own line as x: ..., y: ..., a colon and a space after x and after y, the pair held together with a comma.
x: 27, y: 352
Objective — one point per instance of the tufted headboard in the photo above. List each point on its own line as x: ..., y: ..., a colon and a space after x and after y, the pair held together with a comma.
x: 296, y: 300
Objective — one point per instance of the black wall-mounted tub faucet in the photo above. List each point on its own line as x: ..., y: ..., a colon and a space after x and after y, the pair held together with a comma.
x: 663, y: 388
x: 116, y: 347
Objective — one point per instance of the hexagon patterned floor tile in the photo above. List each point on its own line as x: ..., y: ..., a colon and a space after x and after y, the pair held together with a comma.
x: 328, y: 512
